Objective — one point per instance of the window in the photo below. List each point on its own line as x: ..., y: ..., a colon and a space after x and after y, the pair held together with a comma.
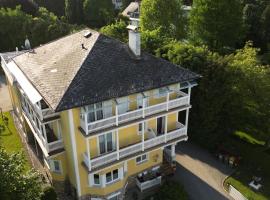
x: 112, y: 176
x: 95, y: 112
x: 140, y: 127
x: 96, y: 179
x: 141, y: 159
x: 162, y: 92
x: 55, y: 166
x: 123, y: 105
x: 106, y: 143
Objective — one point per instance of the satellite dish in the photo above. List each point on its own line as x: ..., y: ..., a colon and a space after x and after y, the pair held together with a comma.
x: 27, y: 44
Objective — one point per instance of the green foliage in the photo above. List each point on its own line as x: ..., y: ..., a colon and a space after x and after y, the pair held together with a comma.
x: 166, y: 15
x: 217, y: 24
x: 74, y: 11
x: 116, y: 30
x: 55, y: 6
x: 49, y: 194
x: 28, y: 6
x: 98, y: 13
x: 15, y: 184
x: 40, y: 29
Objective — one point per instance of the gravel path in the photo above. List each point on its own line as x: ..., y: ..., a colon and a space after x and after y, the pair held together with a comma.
x: 200, y: 173
x: 5, y: 102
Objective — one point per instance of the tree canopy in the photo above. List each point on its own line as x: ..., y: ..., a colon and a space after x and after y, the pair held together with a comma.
x: 166, y: 15
x: 15, y: 182
x: 98, y: 13
x: 217, y: 24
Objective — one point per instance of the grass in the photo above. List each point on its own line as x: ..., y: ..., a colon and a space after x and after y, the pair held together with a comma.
x: 254, y: 162
x: 10, y: 139
x: 248, y: 138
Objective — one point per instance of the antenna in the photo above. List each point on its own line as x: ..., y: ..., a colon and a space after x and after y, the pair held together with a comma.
x: 27, y: 44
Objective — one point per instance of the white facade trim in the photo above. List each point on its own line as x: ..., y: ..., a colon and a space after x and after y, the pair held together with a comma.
x: 74, y: 150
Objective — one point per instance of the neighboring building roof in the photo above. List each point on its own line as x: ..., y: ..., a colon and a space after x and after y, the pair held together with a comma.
x: 132, y: 7
x: 67, y: 75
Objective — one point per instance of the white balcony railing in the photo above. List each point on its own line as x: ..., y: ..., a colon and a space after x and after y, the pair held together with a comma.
x: 180, y: 131
x: 49, y: 146
x: 148, y: 184
x: 145, y: 111
x: 45, y: 113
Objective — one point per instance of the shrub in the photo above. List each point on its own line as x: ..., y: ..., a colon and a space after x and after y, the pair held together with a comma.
x: 49, y: 194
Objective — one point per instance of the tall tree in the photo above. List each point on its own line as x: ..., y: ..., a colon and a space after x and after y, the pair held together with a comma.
x: 15, y: 183
x: 217, y: 24
x: 70, y: 10
x: 164, y: 14
x: 98, y: 13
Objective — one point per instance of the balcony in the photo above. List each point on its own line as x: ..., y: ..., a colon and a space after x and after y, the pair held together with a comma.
x: 44, y: 111
x: 148, y: 180
x: 179, y: 134
x: 48, y: 134
x: 167, y: 102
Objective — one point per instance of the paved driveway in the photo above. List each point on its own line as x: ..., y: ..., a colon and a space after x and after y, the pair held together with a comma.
x: 5, y: 102
x: 200, y: 173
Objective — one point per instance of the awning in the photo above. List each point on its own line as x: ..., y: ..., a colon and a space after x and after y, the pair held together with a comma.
x: 27, y: 87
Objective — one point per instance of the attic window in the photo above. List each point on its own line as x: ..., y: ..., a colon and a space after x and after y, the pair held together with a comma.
x: 87, y: 34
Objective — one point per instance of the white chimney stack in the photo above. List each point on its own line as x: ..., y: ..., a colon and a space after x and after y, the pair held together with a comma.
x: 134, y: 37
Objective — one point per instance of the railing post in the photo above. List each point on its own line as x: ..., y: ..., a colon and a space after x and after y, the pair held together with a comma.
x: 166, y: 128
x: 142, y: 136
x: 58, y: 130
x: 117, y: 144
x: 167, y: 101
x: 88, y: 154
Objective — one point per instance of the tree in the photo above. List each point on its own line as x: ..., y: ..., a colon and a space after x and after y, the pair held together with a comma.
x: 40, y: 29
x: 217, y: 24
x: 265, y: 23
x: 117, y: 30
x: 98, y: 13
x: 70, y: 10
x: 164, y: 14
x: 15, y: 183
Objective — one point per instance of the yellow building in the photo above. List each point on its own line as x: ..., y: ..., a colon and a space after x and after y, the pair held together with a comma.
x: 101, y: 114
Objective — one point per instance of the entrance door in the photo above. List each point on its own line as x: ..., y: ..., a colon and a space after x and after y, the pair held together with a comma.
x: 160, y: 125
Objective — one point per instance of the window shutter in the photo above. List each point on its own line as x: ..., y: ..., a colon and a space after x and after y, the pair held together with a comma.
x: 107, y: 108
x: 121, y: 174
x: 91, y: 179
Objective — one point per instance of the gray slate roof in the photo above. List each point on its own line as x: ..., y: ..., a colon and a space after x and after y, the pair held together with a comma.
x: 68, y: 76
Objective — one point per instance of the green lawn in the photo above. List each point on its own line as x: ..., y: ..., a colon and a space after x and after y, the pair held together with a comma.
x: 254, y: 162
x: 9, y: 138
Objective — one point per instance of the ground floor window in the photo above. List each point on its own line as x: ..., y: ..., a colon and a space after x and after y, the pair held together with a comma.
x: 55, y: 166
x: 112, y: 176
x: 141, y: 159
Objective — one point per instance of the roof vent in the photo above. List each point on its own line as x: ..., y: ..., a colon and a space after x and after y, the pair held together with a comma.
x: 87, y: 34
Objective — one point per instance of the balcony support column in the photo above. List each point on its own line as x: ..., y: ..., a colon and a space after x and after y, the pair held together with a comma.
x: 167, y: 101
x: 143, y: 107
x: 45, y: 135
x: 187, y: 115
x: 58, y: 130
x: 143, y: 136
x: 189, y: 94
x: 117, y: 144
x: 85, y: 122
x: 166, y: 127
x: 173, y: 151
x: 116, y: 113
x: 88, y: 154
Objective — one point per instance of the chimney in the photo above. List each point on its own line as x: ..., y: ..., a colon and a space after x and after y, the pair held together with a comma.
x: 134, y: 37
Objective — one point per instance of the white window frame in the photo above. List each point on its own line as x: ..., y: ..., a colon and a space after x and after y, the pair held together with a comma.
x: 113, y: 180
x: 145, y: 127
x: 122, y: 101
x: 141, y: 159
x: 94, y: 110
x: 52, y: 165
x: 113, y: 143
